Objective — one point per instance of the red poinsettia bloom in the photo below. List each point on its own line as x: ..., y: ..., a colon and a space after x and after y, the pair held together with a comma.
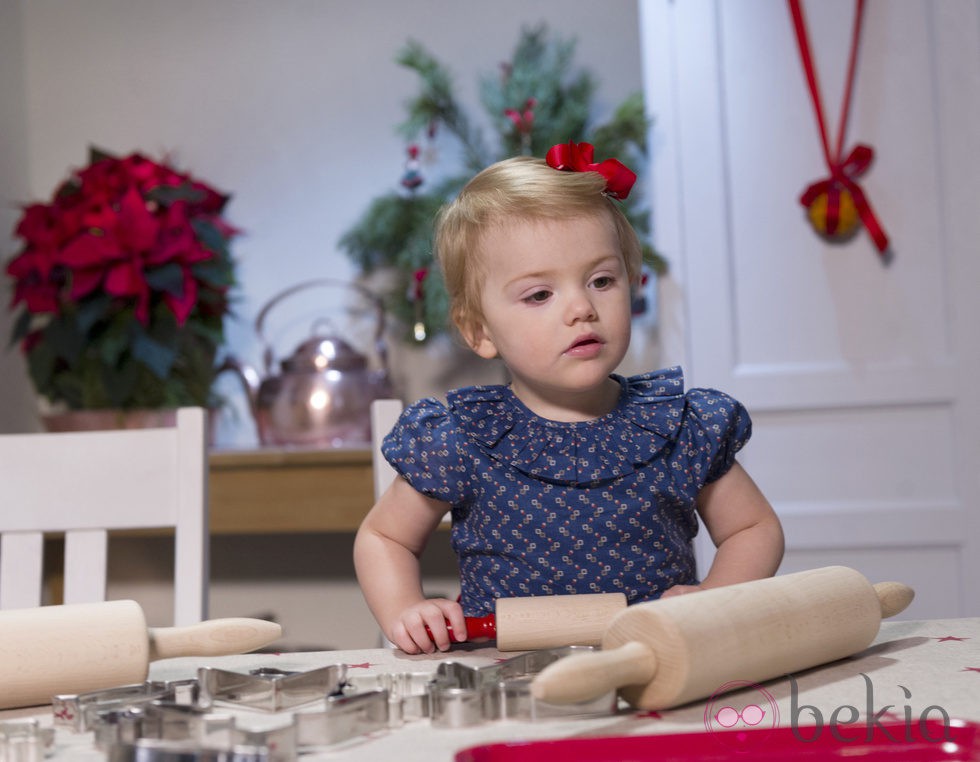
x: 106, y: 227
x: 113, y: 268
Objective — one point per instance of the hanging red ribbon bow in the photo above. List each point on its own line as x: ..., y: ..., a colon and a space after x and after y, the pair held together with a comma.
x: 843, y: 171
x: 577, y: 157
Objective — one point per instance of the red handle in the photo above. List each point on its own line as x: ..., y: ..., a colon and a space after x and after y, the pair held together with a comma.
x: 477, y: 628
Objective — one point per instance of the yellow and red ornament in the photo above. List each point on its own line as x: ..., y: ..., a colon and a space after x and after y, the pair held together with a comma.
x: 837, y: 205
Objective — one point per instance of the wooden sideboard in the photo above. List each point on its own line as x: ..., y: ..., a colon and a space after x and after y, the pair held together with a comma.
x: 272, y: 491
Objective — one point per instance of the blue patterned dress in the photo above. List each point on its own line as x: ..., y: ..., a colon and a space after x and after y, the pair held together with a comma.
x: 542, y: 507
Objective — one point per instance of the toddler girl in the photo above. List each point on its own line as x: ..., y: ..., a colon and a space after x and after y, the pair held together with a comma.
x: 570, y: 479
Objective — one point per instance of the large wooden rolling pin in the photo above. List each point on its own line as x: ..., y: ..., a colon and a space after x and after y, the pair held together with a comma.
x: 85, y: 647
x: 668, y: 652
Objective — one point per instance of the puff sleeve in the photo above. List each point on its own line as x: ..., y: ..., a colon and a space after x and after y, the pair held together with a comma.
x: 720, y: 426
x: 425, y: 448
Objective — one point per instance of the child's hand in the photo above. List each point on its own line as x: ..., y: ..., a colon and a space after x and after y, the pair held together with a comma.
x: 409, y: 633
x: 670, y: 592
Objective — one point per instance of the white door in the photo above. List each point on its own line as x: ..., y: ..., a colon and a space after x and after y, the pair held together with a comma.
x: 861, y: 377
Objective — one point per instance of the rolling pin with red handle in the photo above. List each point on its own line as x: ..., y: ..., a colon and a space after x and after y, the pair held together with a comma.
x: 669, y: 652
x: 545, y: 621
x: 85, y: 647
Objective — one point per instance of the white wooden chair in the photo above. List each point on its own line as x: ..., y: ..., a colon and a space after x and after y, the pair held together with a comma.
x: 384, y: 415
x: 85, y: 483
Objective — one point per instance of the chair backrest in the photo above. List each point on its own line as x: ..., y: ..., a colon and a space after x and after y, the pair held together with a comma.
x: 85, y: 483
x: 384, y: 415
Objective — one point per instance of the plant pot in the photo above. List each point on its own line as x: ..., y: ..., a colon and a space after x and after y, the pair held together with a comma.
x: 98, y: 420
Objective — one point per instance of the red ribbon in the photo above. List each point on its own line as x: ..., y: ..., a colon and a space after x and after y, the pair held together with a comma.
x: 843, y: 171
x: 577, y: 157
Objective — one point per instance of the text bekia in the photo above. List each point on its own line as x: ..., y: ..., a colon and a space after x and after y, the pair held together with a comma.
x: 846, y: 724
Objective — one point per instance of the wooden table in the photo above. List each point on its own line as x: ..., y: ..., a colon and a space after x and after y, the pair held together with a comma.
x: 271, y: 491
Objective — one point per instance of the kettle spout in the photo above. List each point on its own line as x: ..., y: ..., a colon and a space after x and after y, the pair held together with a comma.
x: 249, y: 379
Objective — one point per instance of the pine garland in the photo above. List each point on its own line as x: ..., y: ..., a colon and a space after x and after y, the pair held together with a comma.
x: 538, y: 99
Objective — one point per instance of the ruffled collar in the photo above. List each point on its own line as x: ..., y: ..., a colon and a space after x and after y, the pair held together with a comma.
x: 646, y: 419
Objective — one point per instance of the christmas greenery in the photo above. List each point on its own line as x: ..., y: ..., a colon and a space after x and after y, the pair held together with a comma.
x: 538, y: 99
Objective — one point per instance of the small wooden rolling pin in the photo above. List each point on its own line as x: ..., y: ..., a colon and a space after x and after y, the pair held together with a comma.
x: 669, y: 652
x: 86, y: 647
x: 546, y: 621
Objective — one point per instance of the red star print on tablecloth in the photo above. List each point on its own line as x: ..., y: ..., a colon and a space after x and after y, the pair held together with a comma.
x: 648, y: 715
x: 950, y: 637
x: 365, y: 665
x: 970, y: 669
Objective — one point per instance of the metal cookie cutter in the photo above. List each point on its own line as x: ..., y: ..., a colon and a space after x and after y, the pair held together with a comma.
x: 270, y: 690
x: 461, y: 695
x: 408, y: 693
x: 76, y: 711
x: 343, y: 718
x: 162, y: 731
x: 338, y: 719
x: 153, y: 750
x: 24, y: 740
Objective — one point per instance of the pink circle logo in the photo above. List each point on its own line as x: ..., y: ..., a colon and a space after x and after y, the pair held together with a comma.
x: 741, y: 722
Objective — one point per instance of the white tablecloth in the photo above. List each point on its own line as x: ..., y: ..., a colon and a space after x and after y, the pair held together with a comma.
x: 913, y: 669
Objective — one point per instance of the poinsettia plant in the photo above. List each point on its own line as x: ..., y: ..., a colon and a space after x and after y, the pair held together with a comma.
x: 121, y: 286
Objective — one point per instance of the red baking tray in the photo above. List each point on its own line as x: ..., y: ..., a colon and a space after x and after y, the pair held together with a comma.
x: 930, y: 741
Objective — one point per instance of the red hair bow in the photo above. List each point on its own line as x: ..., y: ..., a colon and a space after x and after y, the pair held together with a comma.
x: 577, y: 157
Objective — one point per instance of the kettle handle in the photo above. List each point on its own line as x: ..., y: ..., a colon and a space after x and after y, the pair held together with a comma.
x: 268, y: 358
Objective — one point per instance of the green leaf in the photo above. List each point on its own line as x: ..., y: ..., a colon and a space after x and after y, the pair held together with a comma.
x: 114, y: 340
x: 65, y: 340
x: 120, y: 383
x: 96, y: 154
x: 40, y: 365
x: 214, y: 272
x: 165, y: 195
x: 209, y: 235
x: 21, y: 328
x: 169, y: 278
x: 91, y: 311
x: 158, y: 357
x: 212, y: 334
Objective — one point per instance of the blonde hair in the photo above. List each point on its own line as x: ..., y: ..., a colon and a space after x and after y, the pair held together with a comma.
x: 522, y: 189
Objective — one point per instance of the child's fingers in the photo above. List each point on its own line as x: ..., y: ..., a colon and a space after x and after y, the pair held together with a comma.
x: 403, y: 640
x: 453, y: 614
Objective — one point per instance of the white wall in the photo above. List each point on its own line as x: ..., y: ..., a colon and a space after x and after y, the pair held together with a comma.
x: 16, y: 399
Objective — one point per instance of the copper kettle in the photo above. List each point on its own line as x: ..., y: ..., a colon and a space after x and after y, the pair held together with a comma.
x: 321, y: 395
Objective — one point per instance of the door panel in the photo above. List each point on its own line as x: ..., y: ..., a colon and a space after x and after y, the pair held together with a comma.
x: 859, y: 374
